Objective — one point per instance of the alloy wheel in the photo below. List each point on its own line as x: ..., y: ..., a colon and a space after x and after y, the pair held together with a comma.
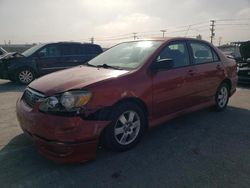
x: 25, y: 76
x: 127, y: 127
x: 222, y: 97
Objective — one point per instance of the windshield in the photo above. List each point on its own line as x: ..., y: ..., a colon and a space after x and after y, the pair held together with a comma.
x: 32, y: 50
x: 128, y: 55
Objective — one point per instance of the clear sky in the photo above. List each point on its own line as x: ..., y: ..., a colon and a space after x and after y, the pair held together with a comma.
x: 112, y: 21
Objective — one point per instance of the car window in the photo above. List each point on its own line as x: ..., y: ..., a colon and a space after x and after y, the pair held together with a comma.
x: 215, y: 56
x: 202, y: 53
x: 91, y: 49
x: 1, y: 53
x: 50, y: 51
x: 97, y: 49
x: 177, y: 52
x: 71, y: 49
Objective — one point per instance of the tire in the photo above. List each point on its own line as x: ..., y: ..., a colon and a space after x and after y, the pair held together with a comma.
x: 24, y: 76
x: 222, y: 97
x: 126, y: 129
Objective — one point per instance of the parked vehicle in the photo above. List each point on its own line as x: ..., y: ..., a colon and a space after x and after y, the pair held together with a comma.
x: 231, y: 51
x: 240, y: 52
x: 118, y: 95
x: 46, y: 58
x: 244, y: 64
x: 3, y: 52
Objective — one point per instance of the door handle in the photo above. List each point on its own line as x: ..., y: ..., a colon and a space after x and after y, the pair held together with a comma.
x: 191, y: 72
x: 218, y: 67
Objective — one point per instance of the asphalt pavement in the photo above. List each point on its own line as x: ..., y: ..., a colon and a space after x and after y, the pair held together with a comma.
x: 202, y: 149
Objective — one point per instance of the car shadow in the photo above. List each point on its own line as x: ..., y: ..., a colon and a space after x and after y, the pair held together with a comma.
x: 243, y: 85
x: 202, y: 145
x: 9, y: 86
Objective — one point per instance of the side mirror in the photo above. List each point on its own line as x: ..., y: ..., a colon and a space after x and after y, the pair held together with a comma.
x: 162, y: 64
x: 248, y: 60
x: 40, y: 54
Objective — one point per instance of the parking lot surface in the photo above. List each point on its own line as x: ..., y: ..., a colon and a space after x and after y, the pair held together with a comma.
x: 202, y: 149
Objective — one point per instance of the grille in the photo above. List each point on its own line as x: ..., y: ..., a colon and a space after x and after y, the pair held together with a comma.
x: 31, y: 97
x: 244, y: 72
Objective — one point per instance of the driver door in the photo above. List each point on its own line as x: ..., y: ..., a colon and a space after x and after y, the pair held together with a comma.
x: 171, y: 86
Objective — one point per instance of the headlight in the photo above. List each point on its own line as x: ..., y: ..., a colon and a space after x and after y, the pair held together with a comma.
x: 70, y: 101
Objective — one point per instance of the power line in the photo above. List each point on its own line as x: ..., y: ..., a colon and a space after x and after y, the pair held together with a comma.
x: 234, y: 24
x: 196, y: 27
x: 199, y: 23
x: 232, y: 19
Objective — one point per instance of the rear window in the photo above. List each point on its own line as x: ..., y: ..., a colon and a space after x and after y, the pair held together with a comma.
x: 80, y: 49
x: 202, y: 53
x: 92, y: 49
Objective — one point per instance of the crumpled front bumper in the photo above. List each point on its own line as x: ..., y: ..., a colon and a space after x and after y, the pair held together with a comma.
x: 61, y: 139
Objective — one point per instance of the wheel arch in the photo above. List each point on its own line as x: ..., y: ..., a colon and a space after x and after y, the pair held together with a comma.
x: 136, y: 101
x: 229, y: 83
x: 26, y: 67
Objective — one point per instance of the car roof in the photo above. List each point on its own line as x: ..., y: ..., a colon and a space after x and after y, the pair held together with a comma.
x: 71, y: 43
x: 165, y: 39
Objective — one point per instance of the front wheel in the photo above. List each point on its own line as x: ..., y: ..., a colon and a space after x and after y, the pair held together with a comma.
x: 222, y: 97
x: 25, y: 76
x: 127, y: 127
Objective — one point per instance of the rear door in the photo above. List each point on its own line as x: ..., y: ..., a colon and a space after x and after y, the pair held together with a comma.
x: 208, y: 73
x: 171, y: 87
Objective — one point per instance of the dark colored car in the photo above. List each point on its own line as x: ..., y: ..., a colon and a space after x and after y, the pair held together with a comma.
x: 117, y: 96
x: 46, y: 58
x: 244, y: 63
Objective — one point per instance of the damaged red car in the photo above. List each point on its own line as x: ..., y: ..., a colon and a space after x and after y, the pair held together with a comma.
x: 117, y: 96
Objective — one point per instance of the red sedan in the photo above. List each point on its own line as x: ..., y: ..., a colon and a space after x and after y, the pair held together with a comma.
x: 119, y: 94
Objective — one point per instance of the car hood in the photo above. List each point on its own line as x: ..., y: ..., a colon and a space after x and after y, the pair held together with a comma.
x: 10, y: 55
x: 245, y: 50
x: 73, y: 78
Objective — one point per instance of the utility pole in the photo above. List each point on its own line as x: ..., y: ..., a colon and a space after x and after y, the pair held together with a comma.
x: 92, y: 40
x: 212, y: 30
x: 220, y: 39
x: 135, y: 35
x: 199, y: 37
x: 187, y: 30
x: 163, y: 32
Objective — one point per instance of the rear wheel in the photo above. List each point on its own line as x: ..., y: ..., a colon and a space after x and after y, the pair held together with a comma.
x: 222, y: 97
x: 25, y: 76
x: 127, y: 127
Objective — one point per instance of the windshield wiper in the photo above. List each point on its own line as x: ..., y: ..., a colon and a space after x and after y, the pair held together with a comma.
x: 109, y: 66
x: 90, y: 65
x: 104, y: 66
